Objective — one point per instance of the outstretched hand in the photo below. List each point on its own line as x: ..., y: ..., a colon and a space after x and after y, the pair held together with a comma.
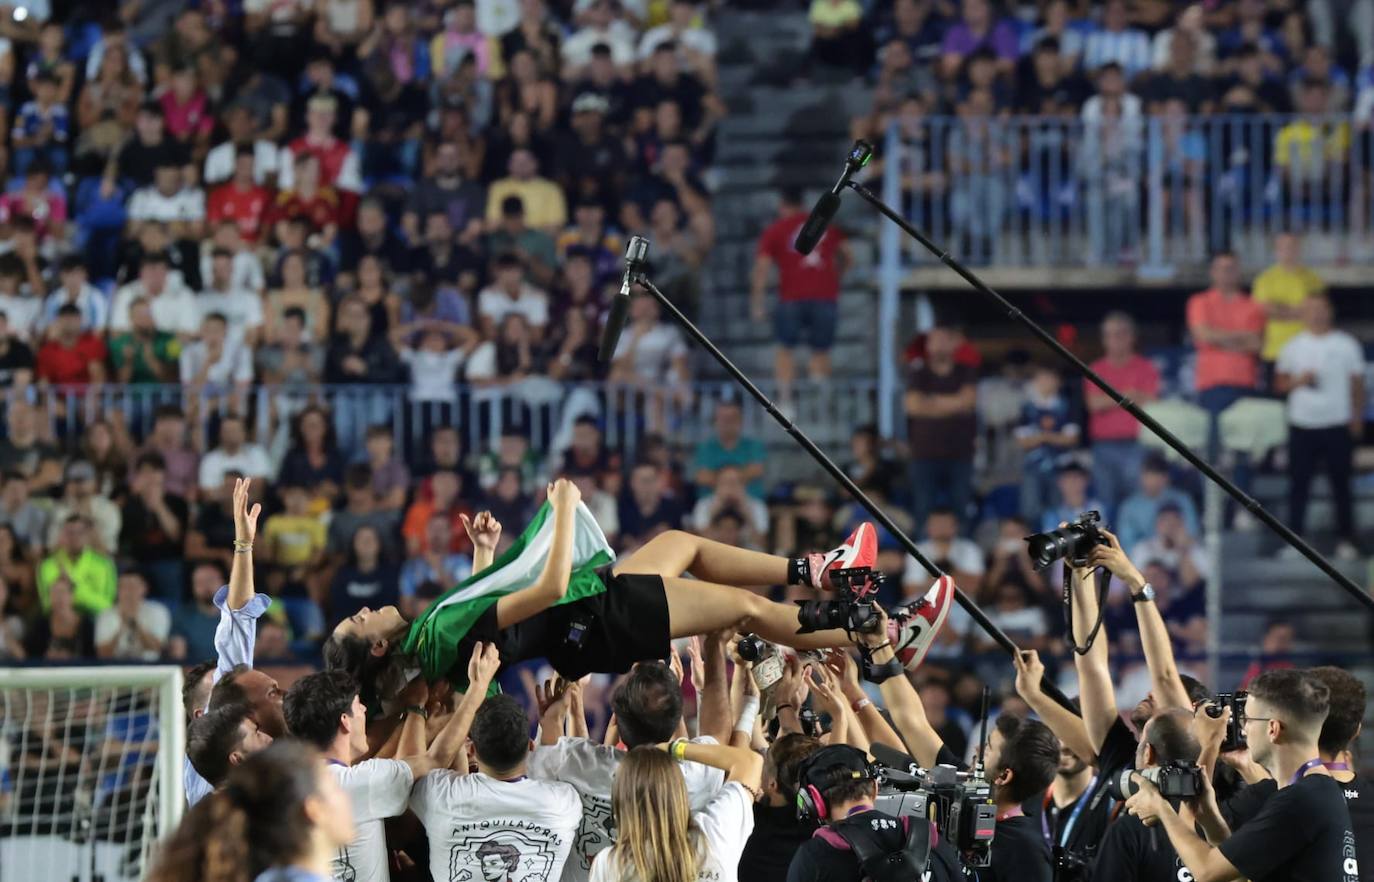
x: 245, y: 518
x: 1030, y: 670
x: 1114, y: 558
x: 839, y: 663
x: 482, y: 667
x: 484, y: 530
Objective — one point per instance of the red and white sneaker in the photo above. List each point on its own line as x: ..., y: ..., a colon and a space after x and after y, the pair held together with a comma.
x: 912, y: 629
x: 859, y: 550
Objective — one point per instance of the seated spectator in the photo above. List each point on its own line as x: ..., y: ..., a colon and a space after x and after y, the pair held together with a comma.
x: 943, y: 543
x: 153, y: 532
x: 368, y: 578
x: 222, y: 162
x: 395, y: 112
x: 373, y: 286
x: 361, y: 510
x: 978, y: 26
x: 83, y: 570
x: 373, y: 237
x: 318, y: 206
x: 22, y: 448
x: 1173, y: 548
x: 1116, y: 42
x: 599, y: 26
x: 601, y: 504
x: 1191, y: 22
x: 729, y: 494
x: 542, y: 199
x: 134, y: 628
x: 106, y: 109
x: 679, y: 255
x: 1046, y: 432
x: 1008, y: 561
x: 460, y: 40
x: 170, y: 200
x: 507, y: 500
x: 313, y: 460
x: 80, y: 496
x: 186, y: 108
x: 870, y: 463
x: 1311, y: 152
x: 16, y: 360
x: 292, y: 360
x: 588, y: 454
x: 442, y: 495
x: 37, y: 206
x: 510, y: 293
x: 168, y: 439
x: 235, y: 453
x: 441, y: 260
x: 273, y: 643
x: 1183, y: 609
x: 65, y: 630
x: 590, y: 155
x: 651, y: 353
x: 241, y: 307
x: 149, y: 148
x: 212, y: 533
x: 1012, y: 610
x: 447, y: 191
x: 1111, y: 101
x: 671, y: 177
x: 19, y: 300
x: 512, y: 451
x: 11, y: 627
x: 390, y: 477
x: 195, y: 623
x: 143, y: 353
x: 71, y: 356
x: 837, y: 38
x: 511, y: 357
x: 534, y: 249
x: 173, y: 306
x: 74, y: 289
x: 216, y: 365
x: 42, y: 127
x: 107, y: 446
x: 444, y: 452
x: 1178, y: 78
x: 1072, y: 487
x: 590, y: 234
x: 729, y: 446
x: 1136, y: 520
x: 338, y: 165
x: 295, y: 292
x: 24, y: 517
x: 293, y: 542
x: 434, y: 369
x: 434, y: 563
x: 696, y: 45
x: 242, y: 204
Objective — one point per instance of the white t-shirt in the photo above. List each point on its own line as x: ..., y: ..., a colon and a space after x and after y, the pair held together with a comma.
x: 147, y: 204
x: 723, y: 826
x: 174, y: 310
x: 152, y: 618
x: 753, y: 509
x: 697, y: 40
x: 533, y: 304
x: 235, y: 363
x: 590, y: 767
x: 653, y: 351
x: 245, y: 272
x: 378, y: 789
x: 242, y: 309
x: 21, y: 313
x: 481, y: 828
x: 1336, y: 359
x: 964, y: 556
x: 1153, y: 550
x: 219, y: 162
x: 251, y: 461
x: 433, y: 374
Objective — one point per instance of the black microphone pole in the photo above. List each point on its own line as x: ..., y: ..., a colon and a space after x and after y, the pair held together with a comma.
x: 996, y: 633
x: 1149, y: 422
x: 811, y: 232
x: 636, y: 253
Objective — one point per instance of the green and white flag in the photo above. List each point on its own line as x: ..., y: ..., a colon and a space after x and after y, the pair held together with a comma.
x: 434, y: 637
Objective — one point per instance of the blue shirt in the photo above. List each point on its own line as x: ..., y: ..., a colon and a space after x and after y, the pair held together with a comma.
x: 1044, y: 416
x: 747, y: 451
x: 417, y: 571
x: 290, y: 874
x: 1135, y: 521
x: 31, y: 118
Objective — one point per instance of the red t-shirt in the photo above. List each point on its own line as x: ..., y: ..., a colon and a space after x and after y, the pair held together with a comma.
x: 321, y: 211
x: 331, y: 157
x: 247, y: 208
x: 1137, y: 379
x: 60, y: 365
x: 1217, y: 366
x: 802, y: 277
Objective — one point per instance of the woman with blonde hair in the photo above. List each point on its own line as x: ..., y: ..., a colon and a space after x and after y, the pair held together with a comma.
x: 659, y: 839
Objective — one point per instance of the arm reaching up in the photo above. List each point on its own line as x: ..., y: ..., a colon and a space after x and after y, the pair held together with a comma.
x: 1065, y: 724
x: 484, y: 531
x: 447, y: 748
x: 874, y: 725
x: 245, y: 531
x: 908, y: 714
x: 739, y: 763
x: 1095, y: 691
x: 715, y: 717
x: 552, y: 583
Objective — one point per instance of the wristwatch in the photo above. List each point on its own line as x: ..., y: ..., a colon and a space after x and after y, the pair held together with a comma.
x: 1146, y: 594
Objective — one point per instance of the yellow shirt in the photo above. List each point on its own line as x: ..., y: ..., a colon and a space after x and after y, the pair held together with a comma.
x: 545, y: 207
x: 1286, y: 287
x: 833, y: 14
x: 294, y: 540
x: 1305, y: 148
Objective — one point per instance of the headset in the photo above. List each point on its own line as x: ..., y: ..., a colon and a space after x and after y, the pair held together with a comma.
x: 812, y: 784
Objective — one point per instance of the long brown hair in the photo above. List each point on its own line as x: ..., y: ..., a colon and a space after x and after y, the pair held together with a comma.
x: 655, y: 838
x: 256, y: 821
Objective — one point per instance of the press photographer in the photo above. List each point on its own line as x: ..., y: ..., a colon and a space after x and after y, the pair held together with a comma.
x: 1303, y: 832
x: 1337, y: 745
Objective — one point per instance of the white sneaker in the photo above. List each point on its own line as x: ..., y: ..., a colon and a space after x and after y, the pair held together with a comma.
x: 1346, y: 551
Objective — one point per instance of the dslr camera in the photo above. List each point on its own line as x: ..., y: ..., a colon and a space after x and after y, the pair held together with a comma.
x: 853, y: 612
x: 1174, y: 781
x: 962, y: 801
x: 1072, y: 542
x: 1235, y: 728
x: 766, y: 659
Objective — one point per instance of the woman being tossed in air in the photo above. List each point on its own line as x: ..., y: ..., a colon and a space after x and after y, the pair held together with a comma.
x: 558, y: 593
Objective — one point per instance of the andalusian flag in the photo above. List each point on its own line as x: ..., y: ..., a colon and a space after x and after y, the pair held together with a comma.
x: 434, y: 637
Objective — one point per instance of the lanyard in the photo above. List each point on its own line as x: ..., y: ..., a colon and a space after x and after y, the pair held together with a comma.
x: 1337, y: 767
x: 1078, y: 807
x: 1304, y: 769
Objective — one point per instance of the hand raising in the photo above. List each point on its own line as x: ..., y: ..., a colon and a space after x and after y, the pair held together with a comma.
x: 1030, y: 670
x: 1114, y: 558
x: 483, y: 665
x: 484, y: 530
x: 245, y: 518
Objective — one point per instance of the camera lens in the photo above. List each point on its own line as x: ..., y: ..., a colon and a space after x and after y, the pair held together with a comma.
x: 1046, y: 548
x: 750, y: 649
x: 822, y: 615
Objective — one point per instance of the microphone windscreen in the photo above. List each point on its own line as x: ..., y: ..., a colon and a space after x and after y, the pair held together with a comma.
x: 615, y: 323
x: 814, y: 228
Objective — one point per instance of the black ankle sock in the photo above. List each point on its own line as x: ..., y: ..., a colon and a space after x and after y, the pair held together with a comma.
x: 799, y: 571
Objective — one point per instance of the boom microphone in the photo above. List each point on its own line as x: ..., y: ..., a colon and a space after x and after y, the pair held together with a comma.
x: 829, y: 203
x: 636, y: 253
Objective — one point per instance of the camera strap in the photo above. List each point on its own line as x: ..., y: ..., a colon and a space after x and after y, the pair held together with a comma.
x: 1104, y: 581
x: 878, y: 863
x: 877, y: 673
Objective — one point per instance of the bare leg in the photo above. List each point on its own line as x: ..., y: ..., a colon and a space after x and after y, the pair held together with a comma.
x: 700, y: 607
x: 673, y: 553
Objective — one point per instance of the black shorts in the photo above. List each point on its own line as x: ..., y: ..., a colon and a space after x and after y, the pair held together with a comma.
x: 626, y: 623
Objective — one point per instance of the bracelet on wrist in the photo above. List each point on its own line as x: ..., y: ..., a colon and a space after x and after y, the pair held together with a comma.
x: 782, y: 707
x: 859, y: 704
x: 886, y: 644
x: 678, y: 749
x: 421, y: 712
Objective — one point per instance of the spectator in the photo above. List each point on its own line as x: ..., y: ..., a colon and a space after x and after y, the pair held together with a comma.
x: 1178, y: 79
x: 1059, y: 25
x: 1311, y: 152
x: 587, y: 454
x: 173, y: 306
x: 359, y: 358
x: 222, y: 163
x: 338, y: 165
x: 81, y: 496
x: 1136, y: 519
x: 651, y: 353
x: 106, y: 109
x: 367, y: 579
x: 1114, y: 433
x: 542, y: 199
x: 82, y: 569
x: 21, y: 514
x: 76, y: 290
x: 601, y: 504
x: 154, y: 528
x: 729, y: 446
x: 64, y: 631
x: 292, y: 360
x: 1072, y: 486
x: 194, y: 625
x: 11, y: 627
x: 293, y: 541
x: 977, y: 27
x: 395, y: 112
x: 179, y: 459
x: 534, y: 249
x: 445, y: 453
x: 235, y: 453
x: 729, y: 494
x: 441, y: 496
x: 837, y: 38
x: 600, y: 26
x: 1190, y: 21
x: 212, y: 532
x: 170, y: 200
x: 36, y: 209
x: 808, y: 290
x: 1173, y: 548
x: 372, y: 237
x: 71, y: 356
x: 1183, y: 609
x: 42, y: 127
x: 1280, y: 291
x: 16, y: 359
x: 940, y: 404
x: 507, y: 499
x: 1047, y: 431
x: 1115, y: 42
x: 439, y: 259
x: 1012, y: 611
x: 390, y: 477
x: 433, y: 563
x: 314, y: 460
x: 18, y: 300
x: 295, y: 292
x: 646, y: 506
x: 319, y: 208
x: 959, y: 557
x: 1321, y: 370
x: 274, y: 641
x: 22, y: 449
x: 696, y: 45
x: 144, y: 353
x: 512, y: 358
x: 240, y: 307
x: 360, y: 510
x: 134, y: 628
x: 433, y: 372
x: 216, y: 365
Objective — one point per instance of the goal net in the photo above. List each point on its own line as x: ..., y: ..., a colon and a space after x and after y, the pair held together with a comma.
x: 90, y: 770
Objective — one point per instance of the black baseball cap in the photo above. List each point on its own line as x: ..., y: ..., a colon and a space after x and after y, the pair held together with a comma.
x: 830, y: 765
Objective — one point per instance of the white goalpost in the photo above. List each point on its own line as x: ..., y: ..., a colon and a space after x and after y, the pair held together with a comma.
x: 90, y: 770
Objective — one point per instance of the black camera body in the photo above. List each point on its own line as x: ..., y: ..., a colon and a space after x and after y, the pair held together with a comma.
x: 1235, y: 727
x: 853, y: 612
x: 960, y: 804
x: 1173, y: 780
x: 1070, y: 866
x: 1072, y: 542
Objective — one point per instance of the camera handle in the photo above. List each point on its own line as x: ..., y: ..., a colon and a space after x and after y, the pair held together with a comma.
x: 1104, y: 582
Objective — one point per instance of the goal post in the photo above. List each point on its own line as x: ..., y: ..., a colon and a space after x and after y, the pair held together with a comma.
x: 90, y: 770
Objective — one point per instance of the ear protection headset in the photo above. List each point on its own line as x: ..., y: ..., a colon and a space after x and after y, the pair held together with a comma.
x: 822, y: 771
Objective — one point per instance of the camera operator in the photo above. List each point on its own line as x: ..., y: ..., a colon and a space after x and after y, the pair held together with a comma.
x: 1337, y: 743
x: 842, y: 778
x: 778, y: 832
x: 1132, y: 852
x: 1303, y: 832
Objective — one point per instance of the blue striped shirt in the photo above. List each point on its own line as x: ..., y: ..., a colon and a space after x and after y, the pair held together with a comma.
x: 1129, y: 48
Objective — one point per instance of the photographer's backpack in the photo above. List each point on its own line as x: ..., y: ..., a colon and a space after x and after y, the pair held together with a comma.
x: 862, y: 835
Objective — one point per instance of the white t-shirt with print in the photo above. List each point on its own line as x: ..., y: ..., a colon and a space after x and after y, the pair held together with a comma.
x: 379, y: 789
x: 590, y: 767
x: 1336, y: 359
x: 722, y: 829
x: 481, y: 828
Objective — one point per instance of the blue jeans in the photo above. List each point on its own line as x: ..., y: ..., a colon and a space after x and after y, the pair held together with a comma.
x: 1214, y: 401
x: 356, y: 409
x: 936, y: 482
x: 1116, y: 468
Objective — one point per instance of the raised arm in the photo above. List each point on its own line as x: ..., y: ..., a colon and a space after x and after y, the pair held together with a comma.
x: 245, y: 531
x: 715, y: 716
x: 446, y: 748
x: 1066, y: 725
x: 875, y: 726
x: 1095, y: 691
x: 908, y: 714
x: 485, y: 533
x: 739, y: 763
x: 552, y: 583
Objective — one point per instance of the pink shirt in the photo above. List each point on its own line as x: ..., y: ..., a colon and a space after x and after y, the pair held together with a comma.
x: 189, y: 119
x: 46, y: 213
x: 1137, y: 379
x: 1217, y: 366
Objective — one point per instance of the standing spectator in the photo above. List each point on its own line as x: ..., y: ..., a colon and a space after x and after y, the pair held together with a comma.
x: 1072, y: 485
x: 1280, y: 291
x: 1115, y: 41
x: 808, y: 291
x: 172, y: 304
x: 16, y: 359
x: 729, y: 446
x: 154, y: 528
x: 1114, y: 433
x: 143, y: 353
x: 71, y: 356
x: 1321, y: 370
x: 837, y: 36
x: 367, y: 579
x: 1136, y: 519
x: 88, y: 574
x: 195, y: 623
x: 646, y: 506
x: 64, y: 631
x: 235, y: 453
x: 1227, y: 328
x: 1047, y: 431
x: 76, y: 290
x: 80, y: 496
x: 338, y: 163
x: 545, y: 207
x: 434, y: 563
x: 314, y: 460
x: 942, y: 428
x: 976, y: 28
x: 134, y: 628
x: 360, y: 358
x: 42, y: 127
